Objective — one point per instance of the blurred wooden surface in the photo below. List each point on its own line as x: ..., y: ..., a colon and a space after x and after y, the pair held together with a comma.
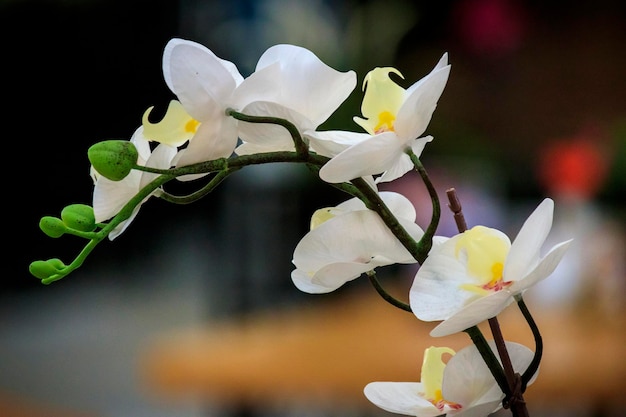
x: 330, y: 353
x: 13, y: 405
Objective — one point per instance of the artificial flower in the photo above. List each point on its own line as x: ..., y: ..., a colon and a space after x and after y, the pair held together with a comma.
x: 347, y: 240
x: 462, y: 387
x: 394, y: 118
x: 109, y: 197
x: 207, y: 86
x: 309, y: 91
x: 174, y: 129
x: 474, y: 275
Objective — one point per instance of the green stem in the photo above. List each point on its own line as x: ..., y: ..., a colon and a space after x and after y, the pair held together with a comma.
x: 426, y: 242
x: 489, y: 357
x: 301, y: 147
x: 210, y: 186
x: 372, y: 200
x: 534, y: 364
x: 238, y: 161
x: 385, y: 295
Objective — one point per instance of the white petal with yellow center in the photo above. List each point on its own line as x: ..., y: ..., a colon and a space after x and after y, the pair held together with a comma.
x: 176, y: 127
x: 381, y: 102
x: 470, y: 277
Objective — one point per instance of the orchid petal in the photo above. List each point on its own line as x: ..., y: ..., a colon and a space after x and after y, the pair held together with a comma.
x: 120, y: 228
x: 546, y: 266
x: 333, y: 276
x: 176, y: 127
x: 198, y: 77
x: 303, y: 282
x: 473, y: 313
x: 443, y: 62
x: 357, y: 235
x: 383, y: 98
x: 418, y: 108
x: 436, y: 291
x: 303, y: 75
x: 401, y: 398
x: 401, y: 166
x: 345, y: 246
x: 525, y: 249
x: 110, y: 196
x: 369, y: 157
x: 215, y: 138
x: 467, y: 379
x: 397, y: 203
x: 161, y: 158
x: 262, y: 85
x: 142, y: 144
x: 331, y: 142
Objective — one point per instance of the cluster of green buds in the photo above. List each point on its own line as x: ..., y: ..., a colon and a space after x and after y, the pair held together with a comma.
x: 113, y: 159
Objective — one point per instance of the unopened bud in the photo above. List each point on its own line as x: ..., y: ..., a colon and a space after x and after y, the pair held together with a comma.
x: 46, y: 269
x: 113, y: 159
x: 79, y: 217
x: 52, y: 226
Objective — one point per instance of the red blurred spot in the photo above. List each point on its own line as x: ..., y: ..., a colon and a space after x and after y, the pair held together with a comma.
x: 490, y: 26
x: 575, y: 166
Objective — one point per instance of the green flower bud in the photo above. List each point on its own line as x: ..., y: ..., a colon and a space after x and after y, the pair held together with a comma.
x: 79, y: 217
x: 45, y: 269
x: 113, y: 159
x: 52, y: 226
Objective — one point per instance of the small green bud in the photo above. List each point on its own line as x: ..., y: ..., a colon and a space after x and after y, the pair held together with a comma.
x: 79, y: 217
x: 45, y: 269
x: 52, y: 226
x: 113, y: 159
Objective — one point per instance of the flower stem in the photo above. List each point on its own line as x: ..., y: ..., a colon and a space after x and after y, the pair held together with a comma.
x: 426, y: 242
x: 534, y: 364
x: 455, y: 206
x: 195, y: 196
x: 301, y: 146
x: 488, y: 356
x: 514, y: 398
x: 386, y: 296
x: 373, y: 202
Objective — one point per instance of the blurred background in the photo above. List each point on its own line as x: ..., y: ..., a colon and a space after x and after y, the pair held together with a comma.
x: 535, y: 107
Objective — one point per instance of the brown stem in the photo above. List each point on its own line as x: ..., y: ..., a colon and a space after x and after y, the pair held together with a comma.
x: 514, y: 398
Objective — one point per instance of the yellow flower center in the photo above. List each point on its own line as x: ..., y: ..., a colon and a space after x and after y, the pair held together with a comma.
x: 432, y: 376
x: 385, y: 122
x: 381, y: 102
x: 191, y: 126
x: 176, y: 127
x: 485, y: 255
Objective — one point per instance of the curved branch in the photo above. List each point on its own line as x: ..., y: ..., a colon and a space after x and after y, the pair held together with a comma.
x: 385, y: 295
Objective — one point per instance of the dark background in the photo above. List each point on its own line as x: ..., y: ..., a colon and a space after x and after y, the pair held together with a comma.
x: 526, y: 75
x: 78, y: 72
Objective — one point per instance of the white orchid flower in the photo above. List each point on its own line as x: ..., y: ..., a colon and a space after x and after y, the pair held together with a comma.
x: 348, y: 240
x: 207, y: 86
x: 462, y: 387
x: 474, y: 275
x: 110, y: 196
x: 309, y: 91
x: 395, y: 119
